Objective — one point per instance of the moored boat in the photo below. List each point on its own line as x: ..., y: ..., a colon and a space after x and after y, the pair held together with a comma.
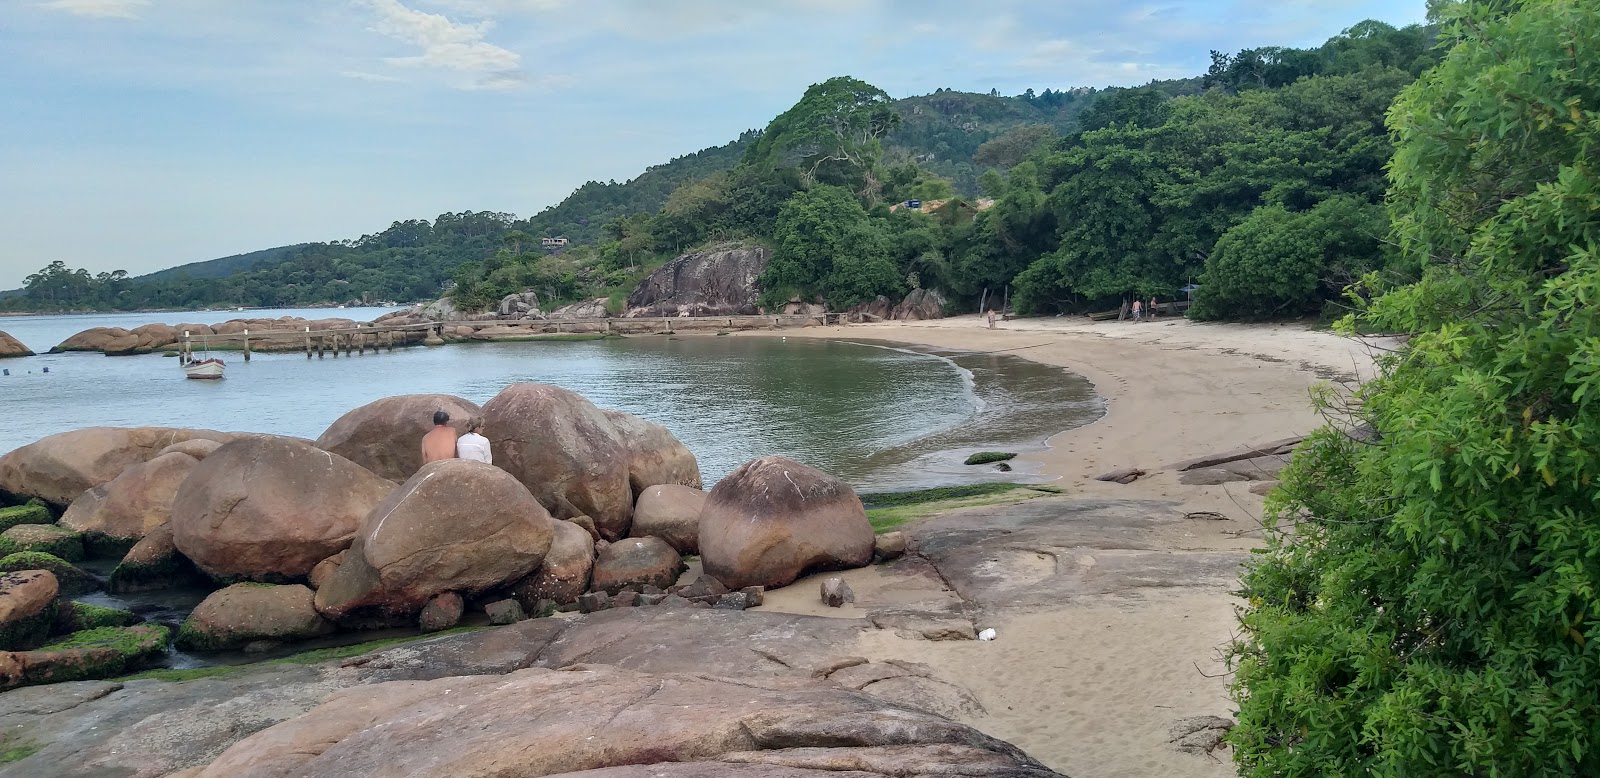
x: 203, y: 368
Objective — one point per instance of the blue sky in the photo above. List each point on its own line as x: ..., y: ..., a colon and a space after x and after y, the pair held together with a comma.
x: 141, y: 134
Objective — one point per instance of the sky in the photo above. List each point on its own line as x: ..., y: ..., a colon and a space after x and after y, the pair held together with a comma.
x: 142, y: 134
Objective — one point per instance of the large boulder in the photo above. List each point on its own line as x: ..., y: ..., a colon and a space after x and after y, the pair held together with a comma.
x: 655, y: 455
x: 92, y: 339
x: 152, y: 563
x: 197, y: 448
x: 268, y: 509
x: 540, y: 722
x: 920, y: 305
x: 59, y: 468
x: 27, y: 608
x: 598, y: 308
x: 247, y: 612
x: 457, y: 525
x: 635, y: 563
x: 774, y: 519
x: 125, y: 509
x: 11, y: 347
x: 566, y: 451
x: 386, y: 436
x: 879, y: 308
x: 154, y: 336
x: 519, y: 306
x: 104, y: 652
x: 565, y: 572
x: 672, y: 513
x: 724, y: 281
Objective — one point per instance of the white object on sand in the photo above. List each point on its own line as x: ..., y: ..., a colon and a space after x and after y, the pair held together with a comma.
x: 987, y: 634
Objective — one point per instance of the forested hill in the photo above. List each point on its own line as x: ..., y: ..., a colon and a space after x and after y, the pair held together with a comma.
x: 1180, y: 162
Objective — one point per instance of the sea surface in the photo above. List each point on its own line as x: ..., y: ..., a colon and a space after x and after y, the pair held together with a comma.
x: 881, y: 416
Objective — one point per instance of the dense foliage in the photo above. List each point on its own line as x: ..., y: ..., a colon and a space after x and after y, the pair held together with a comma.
x: 1428, y: 603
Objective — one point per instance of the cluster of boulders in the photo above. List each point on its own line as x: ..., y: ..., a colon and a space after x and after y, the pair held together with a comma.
x: 11, y: 347
x: 150, y: 338
x: 721, y: 281
x: 584, y: 508
x: 919, y: 305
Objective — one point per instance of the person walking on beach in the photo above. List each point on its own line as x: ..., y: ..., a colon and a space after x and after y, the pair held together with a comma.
x: 1150, y: 310
x: 440, y: 442
x: 474, y: 445
x: 1138, y: 310
x: 991, y: 318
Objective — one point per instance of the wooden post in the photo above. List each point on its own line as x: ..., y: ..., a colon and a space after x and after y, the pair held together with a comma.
x: 247, y: 345
x: 558, y: 326
x: 361, y: 344
x: 608, y: 326
x: 308, y: 343
x: 322, y: 346
x: 390, y: 336
x: 183, y: 353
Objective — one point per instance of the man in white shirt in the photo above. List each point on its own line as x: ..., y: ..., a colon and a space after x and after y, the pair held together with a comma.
x: 474, y: 445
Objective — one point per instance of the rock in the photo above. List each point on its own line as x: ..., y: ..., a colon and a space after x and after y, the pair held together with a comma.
x: 11, y: 347
x: 441, y: 612
x: 1246, y: 452
x: 1210, y: 477
x: 1122, y: 475
x: 703, y: 586
x: 152, y: 563
x: 1263, y: 488
x: 106, y: 652
x: 926, y: 626
x: 44, y: 539
x: 71, y: 580
x: 1199, y: 735
x: 74, y: 616
x: 527, y: 723
x: 565, y: 572
x: 598, y: 308
x: 626, y: 599
x: 156, y: 336
x: 457, y: 525
x: 636, y: 562
x: 835, y: 593
x: 33, y: 513
x: 587, y: 525
x: 1257, y: 468
x: 246, y: 612
x: 198, y: 448
x: 591, y: 602
x: 655, y: 456
x: 754, y: 595
x: 443, y: 309
x: 566, y: 451
x: 670, y: 512
x: 920, y: 305
x: 516, y: 306
x: 27, y: 608
x: 733, y: 601
x: 60, y: 467
x: 889, y: 545
x: 878, y: 309
x: 504, y: 612
x: 386, y: 436
x: 92, y: 339
x: 119, y: 513
x: 773, y: 519
x: 325, y: 569
x: 266, y: 508
x: 723, y: 281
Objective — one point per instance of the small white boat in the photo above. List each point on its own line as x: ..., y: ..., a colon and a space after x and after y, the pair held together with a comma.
x: 203, y: 368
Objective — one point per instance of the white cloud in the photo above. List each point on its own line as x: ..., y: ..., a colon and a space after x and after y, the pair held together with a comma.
x: 448, y: 45
x: 361, y: 75
x: 99, y: 9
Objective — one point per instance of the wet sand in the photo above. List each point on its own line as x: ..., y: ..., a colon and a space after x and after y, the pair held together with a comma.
x: 1090, y: 686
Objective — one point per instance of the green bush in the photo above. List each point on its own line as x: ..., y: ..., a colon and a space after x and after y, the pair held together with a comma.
x: 1429, y: 601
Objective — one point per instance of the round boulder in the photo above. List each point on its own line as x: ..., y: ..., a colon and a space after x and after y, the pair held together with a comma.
x: 60, y: 467
x: 27, y: 608
x: 386, y: 436
x: 565, y: 572
x: 672, y: 513
x: 128, y: 507
x: 636, y: 562
x: 247, y: 612
x: 198, y: 448
x: 566, y: 451
x: 655, y: 455
x: 11, y: 347
x: 267, y: 508
x: 774, y: 519
x: 457, y: 525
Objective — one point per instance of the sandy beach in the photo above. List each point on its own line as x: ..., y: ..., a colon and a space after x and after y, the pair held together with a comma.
x: 1091, y: 684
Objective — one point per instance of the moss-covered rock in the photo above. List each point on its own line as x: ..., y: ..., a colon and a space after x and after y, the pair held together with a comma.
x: 72, y: 580
x: 78, y: 616
x: 32, y: 513
x: 27, y: 608
x: 247, y: 612
x: 153, y: 563
x: 989, y: 457
x: 105, y: 652
x: 44, y: 538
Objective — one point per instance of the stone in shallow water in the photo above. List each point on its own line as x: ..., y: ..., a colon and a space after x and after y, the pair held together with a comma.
x: 835, y: 593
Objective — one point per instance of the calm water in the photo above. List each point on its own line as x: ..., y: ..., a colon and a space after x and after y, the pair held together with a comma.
x: 880, y: 417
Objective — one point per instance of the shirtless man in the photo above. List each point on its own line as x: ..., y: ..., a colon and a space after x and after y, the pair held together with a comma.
x: 440, y: 442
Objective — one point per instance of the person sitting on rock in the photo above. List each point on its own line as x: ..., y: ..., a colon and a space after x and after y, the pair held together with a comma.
x: 440, y: 442
x: 474, y: 445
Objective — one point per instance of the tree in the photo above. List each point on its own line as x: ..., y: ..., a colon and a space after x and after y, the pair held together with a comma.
x: 1429, y: 602
x: 840, y: 121
x: 827, y: 247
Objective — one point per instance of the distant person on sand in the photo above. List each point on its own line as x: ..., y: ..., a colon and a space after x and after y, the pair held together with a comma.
x: 991, y: 318
x: 440, y: 442
x: 1150, y: 311
x: 474, y: 445
x: 1138, y: 310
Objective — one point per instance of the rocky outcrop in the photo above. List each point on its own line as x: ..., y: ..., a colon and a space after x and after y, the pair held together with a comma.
x: 519, y: 306
x: 148, y: 338
x: 598, y: 308
x: 27, y: 608
x: 565, y: 572
x: 539, y: 722
x: 59, y: 468
x: 457, y: 525
x: 879, y: 308
x: 920, y: 305
x: 773, y: 519
x: 670, y: 512
x: 655, y: 455
x: 105, y: 652
x: 11, y: 347
x: 245, y: 613
x: 92, y: 339
x: 635, y: 563
x: 268, y: 509
x: 566, y: 451
x: 721, y: 282
x: 386, y: 436
x: 125, y: 509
